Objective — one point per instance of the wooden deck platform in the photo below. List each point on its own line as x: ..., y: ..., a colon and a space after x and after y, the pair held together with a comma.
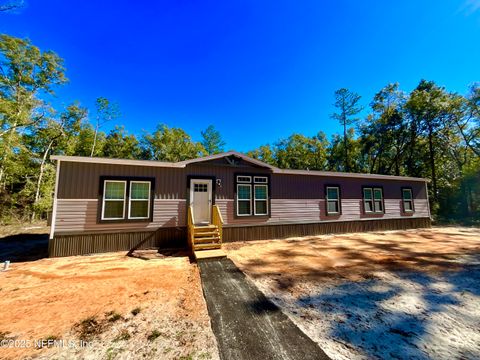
x: 209, y: 254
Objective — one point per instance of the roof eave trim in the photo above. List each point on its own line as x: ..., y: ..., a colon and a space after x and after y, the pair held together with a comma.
x: 348, y: 175
x: 97, y: 160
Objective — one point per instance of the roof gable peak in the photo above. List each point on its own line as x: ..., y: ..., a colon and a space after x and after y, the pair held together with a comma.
x: 230, y: 158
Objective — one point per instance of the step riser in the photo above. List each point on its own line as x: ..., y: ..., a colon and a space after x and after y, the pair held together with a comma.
x: 205, y: 227
x: 207, y: 242
x: 207, y: 247
x: 207, y: 238
x: 202, y: 234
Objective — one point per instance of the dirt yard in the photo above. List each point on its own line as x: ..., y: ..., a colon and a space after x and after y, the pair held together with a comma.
x: 403, y: 294
x: 104, y: 307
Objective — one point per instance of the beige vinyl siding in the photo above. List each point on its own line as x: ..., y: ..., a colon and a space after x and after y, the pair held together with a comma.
x: 308, y: 210
x: 81, y: 215
x: 76, y: 215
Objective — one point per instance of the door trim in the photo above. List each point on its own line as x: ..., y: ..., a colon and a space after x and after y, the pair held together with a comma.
x: 210, y: 196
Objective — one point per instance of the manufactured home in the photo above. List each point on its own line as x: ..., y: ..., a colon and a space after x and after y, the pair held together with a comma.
x: 105, y: 205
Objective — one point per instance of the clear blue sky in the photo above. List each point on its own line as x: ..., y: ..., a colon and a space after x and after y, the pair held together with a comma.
x: 257, y: 70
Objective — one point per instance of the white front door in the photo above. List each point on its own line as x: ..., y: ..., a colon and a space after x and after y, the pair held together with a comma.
x: 201, y: 200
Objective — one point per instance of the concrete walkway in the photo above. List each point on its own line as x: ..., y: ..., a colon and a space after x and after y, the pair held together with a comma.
x: 246, y: 324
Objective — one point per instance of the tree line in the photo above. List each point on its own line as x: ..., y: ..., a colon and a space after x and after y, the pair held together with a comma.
x: 32, y: 129
x: 428, y: 132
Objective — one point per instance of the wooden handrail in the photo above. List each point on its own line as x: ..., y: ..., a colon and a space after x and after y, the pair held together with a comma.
x: 217, y: 220
x: 190, y: 226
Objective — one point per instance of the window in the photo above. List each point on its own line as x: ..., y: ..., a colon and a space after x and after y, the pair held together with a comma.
x: 244, y: 197
x: 244, y: 179
x: 114, y: 200
x: 126, y: 199
x: 373, y: 200
x: 333, y: 200
x: 200, y: 187
x: 260, y: 180
x: 261, y: 199
x: 139, y: 206
x: 252, y: 195
x: 407, y: 200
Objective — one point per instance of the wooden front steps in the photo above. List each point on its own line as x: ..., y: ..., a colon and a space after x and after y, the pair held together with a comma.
x: 206, y: 237
x: 205, y: 241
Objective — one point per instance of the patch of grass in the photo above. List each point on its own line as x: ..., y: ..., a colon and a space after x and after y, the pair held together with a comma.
x: 112, y: 353
x: 4, y: 335
x: 124, y: 335
x: 186, y: 357
x: 52, y: 338
x: 89, y: 328
x: 136, y: 311
x: 167, y: 350
x: 113, y: 316
x: 180, y: 334
x: 181, y: 337
x: 153, y: 335
x: 204, y: 355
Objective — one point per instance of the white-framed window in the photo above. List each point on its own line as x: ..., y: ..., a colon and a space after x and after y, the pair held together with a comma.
x: 114, y: 196
x: 139, y: 200
x: 333, y: 200
x: 260, y: 180
x: 252, y: 195
x: 373, y: 200
x: 407, y: 199
x: 244, y: 179
x: 260, y: 203
x: 244, y: 199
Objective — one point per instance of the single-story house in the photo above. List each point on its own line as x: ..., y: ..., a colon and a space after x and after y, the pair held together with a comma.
x: 113, y: 204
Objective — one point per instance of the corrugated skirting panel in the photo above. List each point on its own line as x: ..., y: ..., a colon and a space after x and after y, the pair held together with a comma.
x: 80, y: 244
x: 246, y: 233
x: 163, y: 238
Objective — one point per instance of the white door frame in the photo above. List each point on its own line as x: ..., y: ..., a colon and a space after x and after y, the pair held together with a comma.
x: 208, y: 182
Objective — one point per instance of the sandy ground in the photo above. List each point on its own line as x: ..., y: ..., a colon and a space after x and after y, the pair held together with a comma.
x: 130, y: 308
x: 405, y: 294
x: 39, y: 227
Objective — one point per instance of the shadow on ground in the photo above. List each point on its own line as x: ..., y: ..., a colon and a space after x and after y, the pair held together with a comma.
x: 385, y: 295
x: 355, y: 256
x: 23, y: 247
x: 410, y: 315
x: 152, y: 254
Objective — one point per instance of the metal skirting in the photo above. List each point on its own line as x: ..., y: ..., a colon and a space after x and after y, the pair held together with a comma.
x: 90, y: 243
x: 165, y: 238
x: 246, y: 233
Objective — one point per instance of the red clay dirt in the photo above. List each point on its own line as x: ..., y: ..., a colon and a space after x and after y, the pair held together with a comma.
x: 46, y: 298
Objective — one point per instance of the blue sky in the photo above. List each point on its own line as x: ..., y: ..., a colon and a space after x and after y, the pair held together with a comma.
x: 257, y: 70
